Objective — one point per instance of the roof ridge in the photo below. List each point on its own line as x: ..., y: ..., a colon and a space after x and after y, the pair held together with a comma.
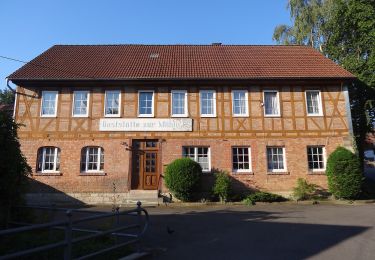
x: 183, y: 44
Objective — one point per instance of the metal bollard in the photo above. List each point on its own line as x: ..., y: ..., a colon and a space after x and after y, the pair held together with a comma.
x: 68, y: 237
x: 117, y: 222
x: 139, y: 213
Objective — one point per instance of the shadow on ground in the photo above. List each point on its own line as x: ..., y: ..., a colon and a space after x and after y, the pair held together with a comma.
x: 227, y: 234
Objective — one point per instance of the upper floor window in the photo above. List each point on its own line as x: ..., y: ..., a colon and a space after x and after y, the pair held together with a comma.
x: 112, y: 103
x: 313, y: 103
x: 80, y: 103
x: 276, y: 159
x: 315, y: 158
x: 240, y: 103
x: 199, y: 154
x: 208, y: 103
x: 271, y: 103
x: 179, y: 103
x: 48, y: 159
x: 241, y: 157
x: 49, y: 103
x: 92, y: 159
x: 146, y: 103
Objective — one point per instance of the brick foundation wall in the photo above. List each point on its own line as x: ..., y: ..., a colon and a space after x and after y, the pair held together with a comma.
x: 116, y: 167
x: 259, y: 178
x: 116, y: 163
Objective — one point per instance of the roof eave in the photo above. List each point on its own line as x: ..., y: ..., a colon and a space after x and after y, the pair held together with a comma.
x: 185, y: 78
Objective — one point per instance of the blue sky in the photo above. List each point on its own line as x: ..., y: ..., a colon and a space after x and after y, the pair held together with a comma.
x: 27, y: 28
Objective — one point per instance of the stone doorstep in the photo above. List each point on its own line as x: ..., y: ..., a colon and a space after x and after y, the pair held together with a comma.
x: 143, y: 194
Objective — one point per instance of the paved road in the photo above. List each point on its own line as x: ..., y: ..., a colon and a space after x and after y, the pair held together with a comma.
x: 272, y: 231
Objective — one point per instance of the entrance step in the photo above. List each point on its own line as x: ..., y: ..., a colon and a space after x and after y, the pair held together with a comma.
x: 147, y: 197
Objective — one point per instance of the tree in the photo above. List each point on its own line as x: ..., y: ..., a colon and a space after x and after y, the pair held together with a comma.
x: 344, y: 31
x: 6, y: 97
x: 13, y: 167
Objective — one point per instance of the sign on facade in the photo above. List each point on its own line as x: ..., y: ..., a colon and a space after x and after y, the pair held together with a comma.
x: 146, y: 124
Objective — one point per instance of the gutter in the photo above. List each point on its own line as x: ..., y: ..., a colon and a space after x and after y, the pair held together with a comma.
x: 15, y: 97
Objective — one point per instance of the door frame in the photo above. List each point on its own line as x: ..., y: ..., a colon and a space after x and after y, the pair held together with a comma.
x: 140, y: 175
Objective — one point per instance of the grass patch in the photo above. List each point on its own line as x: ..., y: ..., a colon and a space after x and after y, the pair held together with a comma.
x: 27, y: 240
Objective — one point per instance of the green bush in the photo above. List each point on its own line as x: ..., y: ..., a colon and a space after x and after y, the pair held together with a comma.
x: 304, y: 190
x: 222, y: 186
x: 182, y: 177
x: 13, y: 168
x: 262, y: 197
x: 344, y: 174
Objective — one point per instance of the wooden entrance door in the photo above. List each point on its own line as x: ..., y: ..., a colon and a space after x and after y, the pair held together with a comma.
x: 145, y: 173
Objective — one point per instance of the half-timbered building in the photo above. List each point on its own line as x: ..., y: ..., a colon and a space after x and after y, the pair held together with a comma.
x: 105, y: 119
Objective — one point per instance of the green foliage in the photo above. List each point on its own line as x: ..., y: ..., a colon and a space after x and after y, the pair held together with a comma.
x: 32, y: 239
x: 182, y: 177
x: 13, y: 167
x: 344, y: 174
x: 304, y: 190
x: 309, y: 18
x: 262, y: 197
x: 6, y: 97
x: 344, y: 31
x: 222, y: 187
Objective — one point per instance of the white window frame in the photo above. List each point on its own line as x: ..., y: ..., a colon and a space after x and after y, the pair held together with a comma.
x: 246, y: 114
x: 119, y: 103
x: 324, y: 158
x: 44, y: 159
x: 98, y: 162
x: 320, y: 107
x: 284, y: 160
x: 278, y: 103
x: 196, y: 155
x: 214, y: 103
x: 185, y: 106
x: 250, y: 164
x: 88, y: 103
x: 152, y: 103
x: 56, y: 102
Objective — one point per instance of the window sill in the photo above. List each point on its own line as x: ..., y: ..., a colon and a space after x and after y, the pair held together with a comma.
x: 208, y: 116
x: 240, y: 116
x: 242, y: 173
x: 111, y: 116
x: 177, y: 116
x: 278, y: 173
x: 80, y: 116
x: 146, y: 116
x: 322, y: 172
x: 272, y: 116
x: 92, y: 174
x: 47, y: 174
x: 48, y: 116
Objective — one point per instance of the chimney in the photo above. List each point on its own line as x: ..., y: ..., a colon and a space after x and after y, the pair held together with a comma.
x: 216, y: 43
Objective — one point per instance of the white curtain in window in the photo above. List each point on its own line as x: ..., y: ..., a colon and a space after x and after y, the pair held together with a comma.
x: 271, y: 103
x: 312, y: 98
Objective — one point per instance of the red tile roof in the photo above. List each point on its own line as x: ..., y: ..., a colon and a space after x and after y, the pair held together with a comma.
x: 115, y: 62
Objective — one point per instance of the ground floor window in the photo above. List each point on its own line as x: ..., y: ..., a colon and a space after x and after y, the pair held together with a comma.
x: 48, y: 159
x: 92, y: 159
x: 241, y: 159
x: 315, y: 157
x: 199, y: 154
x: 276, y: 159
